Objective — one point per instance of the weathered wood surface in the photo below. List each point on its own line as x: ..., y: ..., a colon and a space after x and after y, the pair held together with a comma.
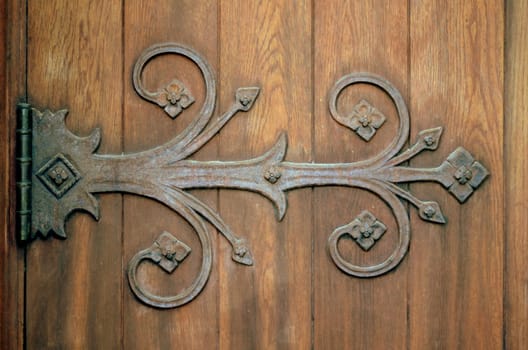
x: 516, y: 176
x: 12, y: 83
x: 456, y: 270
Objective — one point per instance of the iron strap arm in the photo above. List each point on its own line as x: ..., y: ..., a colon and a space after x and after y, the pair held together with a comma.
x: 58, y: 172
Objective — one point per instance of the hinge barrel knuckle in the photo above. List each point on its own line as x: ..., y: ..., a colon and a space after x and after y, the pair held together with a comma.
x: 24, y: 136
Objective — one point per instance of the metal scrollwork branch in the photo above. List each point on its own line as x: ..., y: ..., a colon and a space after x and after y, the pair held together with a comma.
x: 66, y: 171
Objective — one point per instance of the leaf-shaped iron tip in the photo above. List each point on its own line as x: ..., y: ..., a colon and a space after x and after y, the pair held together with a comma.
x: 246, y: 96
x: 430, y: 138
x: 430, y: 211
x: 242, y: 254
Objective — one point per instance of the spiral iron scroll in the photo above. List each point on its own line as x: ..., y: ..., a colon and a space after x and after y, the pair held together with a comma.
x: 67, y: 171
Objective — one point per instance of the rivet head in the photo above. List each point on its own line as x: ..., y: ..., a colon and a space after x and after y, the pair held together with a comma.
x: 463, y: 174
x: 245, y: 101
x: 364, y: 121
x: 272, y: 175
x: 429, y: 140
x: 429, y: 211
x: 241, y: 251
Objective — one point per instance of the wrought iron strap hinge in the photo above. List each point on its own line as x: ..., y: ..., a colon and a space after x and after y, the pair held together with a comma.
x: 58, y: 172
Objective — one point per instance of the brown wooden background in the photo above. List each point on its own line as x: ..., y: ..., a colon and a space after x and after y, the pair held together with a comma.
x: 459, y: 64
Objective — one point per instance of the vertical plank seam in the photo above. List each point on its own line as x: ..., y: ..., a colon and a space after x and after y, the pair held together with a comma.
x: 4, y: 278
x: 312, y: 194
x: 409, y: 99
x: 505, y: 164
x: 218, y: 94
x: 122, y: 141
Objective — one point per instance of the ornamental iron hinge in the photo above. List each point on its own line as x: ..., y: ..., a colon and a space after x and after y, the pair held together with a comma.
x: 58, y: 172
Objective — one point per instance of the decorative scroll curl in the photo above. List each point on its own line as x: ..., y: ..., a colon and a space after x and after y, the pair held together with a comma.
x: 67, y: 171
x: 380, y: 174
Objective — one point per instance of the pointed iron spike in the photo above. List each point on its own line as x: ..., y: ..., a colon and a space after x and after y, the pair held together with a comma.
x: 93, y: 207
x: 59, y: 115
x: 95, y: 139
x: 59, y: 231
x: 281, y: 206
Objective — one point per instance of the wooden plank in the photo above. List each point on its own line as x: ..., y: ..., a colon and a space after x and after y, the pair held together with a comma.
x: 516, y: 175
x: 12, y: 79
x: 194, y: 24
x: 456, y: 270
x: 267, y: 44
x: 73, y: 285
x: 369, y: 36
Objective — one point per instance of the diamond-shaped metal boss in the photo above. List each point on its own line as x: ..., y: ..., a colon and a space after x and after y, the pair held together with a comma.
x: 59, y: 175
x: 366, y: 229
x: 365, y: 119
x: 172, y: 250
x: 467, y: 173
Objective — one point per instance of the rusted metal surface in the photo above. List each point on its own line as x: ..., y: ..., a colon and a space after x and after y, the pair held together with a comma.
x: 67, y: 170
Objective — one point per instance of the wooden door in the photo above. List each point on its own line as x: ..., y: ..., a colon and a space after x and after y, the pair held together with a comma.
x: 460, y: 65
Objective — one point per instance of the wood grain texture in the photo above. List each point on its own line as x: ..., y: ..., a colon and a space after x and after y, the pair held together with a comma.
x: 456, y: 270
x: 12, y: 83
x: 368, y: 36
x: 73, y: 285
x: 267, y: 44
x: 516, y: 175
x: 192, y: 23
